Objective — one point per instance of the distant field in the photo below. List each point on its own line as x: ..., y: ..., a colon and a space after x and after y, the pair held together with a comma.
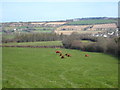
x: 44, y: 43
x: 21, y: 27
x: 91, y: 22
x: 41, y: 43
x: 11, y: 28
x: 8, y: 36
x: 43, y: 68
x: 8, y: 28
x: 44, y: 28
x: 86, y: 41
x: 42, y: 31
x: 67, y: 32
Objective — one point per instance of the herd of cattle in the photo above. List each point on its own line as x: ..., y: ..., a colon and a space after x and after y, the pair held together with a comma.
x: 68, y: 55
x: 62, y: 55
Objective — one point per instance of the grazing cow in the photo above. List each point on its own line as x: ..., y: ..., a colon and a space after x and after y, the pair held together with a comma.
x: 58, y: 51
x: 62, y: 57
x: 60, y: 54
x: 68, y: 55
x: 86, y: 55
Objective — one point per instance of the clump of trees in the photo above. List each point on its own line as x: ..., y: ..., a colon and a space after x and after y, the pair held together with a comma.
x: 97, y: 44
x: 33, y: 37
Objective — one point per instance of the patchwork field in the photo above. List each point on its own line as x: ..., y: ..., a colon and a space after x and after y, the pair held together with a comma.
x: 95, y: 21
x: 44, y: 28
x: 43, y: 68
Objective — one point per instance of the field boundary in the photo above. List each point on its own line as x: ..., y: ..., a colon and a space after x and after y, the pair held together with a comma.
x: 29, y: 46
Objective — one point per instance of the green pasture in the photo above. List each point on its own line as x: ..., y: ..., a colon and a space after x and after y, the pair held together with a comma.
x: 96, y: 21
x: 43, y: 68
x: 13, y: 27
x: 21, y: 27
x: 44, y: 43
x: 8, y: 36
x: 44, y: 28
x: 41, y: 43
x: 86, y: 41
x: 8, y: 28
x: 42, y: 31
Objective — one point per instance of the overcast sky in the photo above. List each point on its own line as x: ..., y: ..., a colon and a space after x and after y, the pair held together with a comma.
x: 49, y: 10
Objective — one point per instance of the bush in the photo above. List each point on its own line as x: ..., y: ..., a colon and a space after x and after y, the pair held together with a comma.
x: 105, y: 45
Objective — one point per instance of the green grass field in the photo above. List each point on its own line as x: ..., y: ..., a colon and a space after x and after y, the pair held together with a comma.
x: 11, y: 27
x: 42, y: 31
x: 41, y: 43
x: 8, y: 36
x: 44, y: 28
x: 43, y: 68
x: 96, y: 21
x: 44, y: 43
x: 86, y: 41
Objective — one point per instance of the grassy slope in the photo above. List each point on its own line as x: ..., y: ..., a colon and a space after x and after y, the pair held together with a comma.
x: 40, y: 67
x: 44, y: 29
x: 41, y: 43
x: 91, y: 22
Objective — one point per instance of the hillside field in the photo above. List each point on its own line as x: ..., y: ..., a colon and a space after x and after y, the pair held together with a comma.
x: 95, y: 21
x: 41, y: 43
x: 43, y: 68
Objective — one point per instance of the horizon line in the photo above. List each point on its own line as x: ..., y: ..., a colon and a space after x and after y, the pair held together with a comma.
x: 56, y: 20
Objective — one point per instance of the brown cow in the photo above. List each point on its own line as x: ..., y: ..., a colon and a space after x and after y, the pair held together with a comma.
x: 68, y: 55
x: 58, y: 51
x: 60, y: 54
x: 62, y: 57
x: 86, y: 55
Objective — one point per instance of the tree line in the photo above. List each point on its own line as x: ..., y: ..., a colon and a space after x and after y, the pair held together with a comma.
x: 32, y: 37
x: 96, y: 44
